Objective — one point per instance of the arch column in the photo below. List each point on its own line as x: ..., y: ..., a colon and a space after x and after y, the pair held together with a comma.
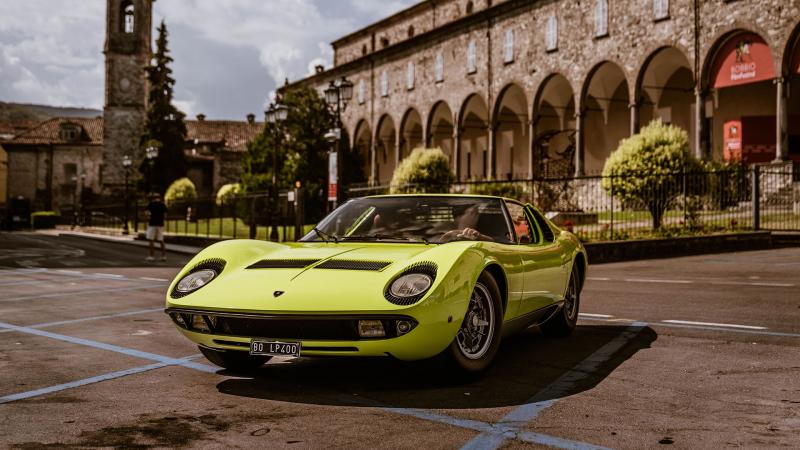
x: 531, y: 143
x: 634, y: 107
x: 699, y: 123
x: 373, y: 164
x: 781, y: 122
x: 492, y: 151
x: 579, y: 147
x: 457, y: 151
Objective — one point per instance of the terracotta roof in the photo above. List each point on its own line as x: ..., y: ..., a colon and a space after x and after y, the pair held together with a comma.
x: 10, y: 129
x: 235, y: 134
x: 49, y: 132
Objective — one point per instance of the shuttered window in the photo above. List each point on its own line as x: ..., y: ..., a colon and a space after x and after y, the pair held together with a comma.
x: 362, y: 92
x: 508, y: 47
x: 551, y: 33
x: 410, y: 75
x: 472, y: 64
x: 385, y: 84
x: 439, y: 67
x: 601, y: 18
x: 660, y: 9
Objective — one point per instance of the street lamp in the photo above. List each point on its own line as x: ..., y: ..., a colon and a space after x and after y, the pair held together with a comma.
x: 127, y: 162
x: 337, y: 95
x: 275, y: 115
x: 150, y: 153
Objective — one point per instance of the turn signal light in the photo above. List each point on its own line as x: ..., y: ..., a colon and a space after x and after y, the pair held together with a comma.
x: 371, y: 328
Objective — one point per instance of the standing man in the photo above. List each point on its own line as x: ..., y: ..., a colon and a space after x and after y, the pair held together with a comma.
x: 156, y: 210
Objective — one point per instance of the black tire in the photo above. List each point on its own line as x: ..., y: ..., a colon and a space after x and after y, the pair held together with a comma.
x: 234, y: 360
x: 480, y: 308
x: 564, y: 320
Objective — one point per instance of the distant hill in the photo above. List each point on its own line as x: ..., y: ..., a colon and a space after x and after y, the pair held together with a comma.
x: 18, y: 112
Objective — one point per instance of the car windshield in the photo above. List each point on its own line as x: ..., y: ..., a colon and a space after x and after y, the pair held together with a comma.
x: 428, y: 219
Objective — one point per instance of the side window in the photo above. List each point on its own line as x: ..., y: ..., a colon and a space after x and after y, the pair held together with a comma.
x: 526, y: 234
x: 547, y: 232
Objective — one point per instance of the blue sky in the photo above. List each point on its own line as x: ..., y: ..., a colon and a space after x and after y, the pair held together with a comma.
x: 229, y: 54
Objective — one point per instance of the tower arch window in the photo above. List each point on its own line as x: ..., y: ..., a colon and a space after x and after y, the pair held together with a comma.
x: 128, y: 17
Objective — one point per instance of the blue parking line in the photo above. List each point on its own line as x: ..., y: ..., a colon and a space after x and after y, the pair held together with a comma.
x: 80, y: 292
x: 88, y: 319
x: 109, y: 347
x: 547, y: 397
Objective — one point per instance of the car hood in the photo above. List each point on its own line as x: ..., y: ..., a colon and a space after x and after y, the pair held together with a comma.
x: 327, y: 278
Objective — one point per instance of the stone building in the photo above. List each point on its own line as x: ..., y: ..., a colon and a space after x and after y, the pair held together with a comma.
x: 520, y: 88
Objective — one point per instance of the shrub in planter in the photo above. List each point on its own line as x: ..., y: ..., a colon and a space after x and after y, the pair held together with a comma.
x: 424, y: 170
x: 44, y: 219
x: 227, y: 192
x: 181, y: 190
x: 500, y: 189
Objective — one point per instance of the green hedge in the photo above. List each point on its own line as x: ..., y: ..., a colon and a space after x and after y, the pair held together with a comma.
x: 44, y: 219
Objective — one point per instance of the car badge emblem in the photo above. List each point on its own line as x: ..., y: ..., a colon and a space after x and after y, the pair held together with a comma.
x: 277, y: 293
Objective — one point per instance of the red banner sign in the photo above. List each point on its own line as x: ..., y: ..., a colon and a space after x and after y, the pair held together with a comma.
x: 744, y: 59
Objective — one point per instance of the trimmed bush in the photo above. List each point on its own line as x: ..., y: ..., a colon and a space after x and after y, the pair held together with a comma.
x: 181, y: 190
x: 499, y: 189
x: 227, y: 192
x: 424, y: 170
x: 645, y: 165
x: 44, y: 219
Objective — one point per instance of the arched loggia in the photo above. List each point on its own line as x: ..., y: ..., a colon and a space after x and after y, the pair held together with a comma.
x: 474, y: 139
x: 362, y: 147
x: 385, y: 149
x: 512, y: 138
x: 410, y: 132
x: 440, y: 128
x: 606, y: 114
x: 554, y: 128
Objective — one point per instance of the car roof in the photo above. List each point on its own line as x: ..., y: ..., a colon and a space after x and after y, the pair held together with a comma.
x: 441, y: 195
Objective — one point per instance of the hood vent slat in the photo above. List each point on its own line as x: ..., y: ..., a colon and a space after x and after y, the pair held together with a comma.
x: 283, y: 264
x: 349, y: 264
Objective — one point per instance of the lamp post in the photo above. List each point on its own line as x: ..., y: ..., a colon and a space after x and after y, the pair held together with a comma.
x: 275, y: 115
x: 337, y: 95
x: 127, y: 162
x: 150, y: 153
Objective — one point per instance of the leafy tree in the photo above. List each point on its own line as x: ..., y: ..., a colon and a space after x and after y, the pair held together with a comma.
x: 181, y: 190
x: 424, y: 170
x: 164, y: 127
x: 227, y: 192
x: 645, y: 166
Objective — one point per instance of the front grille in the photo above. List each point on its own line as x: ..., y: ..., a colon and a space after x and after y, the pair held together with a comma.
x: 282, y: 264
x: 349, y: 264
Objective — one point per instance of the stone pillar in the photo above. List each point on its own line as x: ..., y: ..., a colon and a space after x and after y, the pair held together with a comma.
x: 531, y: 147
x: 699, y: 123
x: 490, y: 154
x: 781, y: 122
x: 457, y: 151
x: 634, y: 107
x: 579, y: 147
x: 373, y: 164
x: 398, y: 138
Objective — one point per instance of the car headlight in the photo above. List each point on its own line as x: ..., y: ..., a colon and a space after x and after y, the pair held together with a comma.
x: 411, y: 285
x: 195, y: 281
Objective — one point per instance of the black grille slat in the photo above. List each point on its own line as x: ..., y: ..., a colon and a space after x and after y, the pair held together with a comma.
x: 335, y: 329
x: 349, y: 264
x: 283, y: 264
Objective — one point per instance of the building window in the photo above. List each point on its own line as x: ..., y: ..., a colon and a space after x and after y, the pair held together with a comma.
x: 128, y: 18
x: 362, y: 94
x: 661, y: 9
x: 601, y: 18
x: 363, y: 50
x: 470, y: 7
x: 439, y: 67
x: 551, y: 35
x: 508, y: 47
x: 385, y: 84
x: 384, y: 42
x: 69, y: 132
x: 472, y: 64
x: 411, y: 31
x: 410, y: 75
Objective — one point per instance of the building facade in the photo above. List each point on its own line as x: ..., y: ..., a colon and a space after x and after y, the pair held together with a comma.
x: 520, y: 88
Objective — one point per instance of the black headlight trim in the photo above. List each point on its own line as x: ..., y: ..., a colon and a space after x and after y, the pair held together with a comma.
x: 427, y: 268
x: 215, y: 264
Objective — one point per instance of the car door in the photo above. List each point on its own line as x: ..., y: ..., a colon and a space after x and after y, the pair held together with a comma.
x: 541, y: 260
x: 556, y: 262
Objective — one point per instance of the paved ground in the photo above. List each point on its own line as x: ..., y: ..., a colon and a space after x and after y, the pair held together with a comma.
x: 696, y: 352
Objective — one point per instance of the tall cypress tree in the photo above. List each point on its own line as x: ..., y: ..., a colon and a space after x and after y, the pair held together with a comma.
x: 164, y: 127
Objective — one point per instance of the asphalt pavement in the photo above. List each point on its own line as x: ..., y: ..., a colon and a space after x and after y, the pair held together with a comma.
x: 694, y: 352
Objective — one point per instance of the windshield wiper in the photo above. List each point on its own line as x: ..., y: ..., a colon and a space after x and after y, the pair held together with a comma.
x: 325, y: 236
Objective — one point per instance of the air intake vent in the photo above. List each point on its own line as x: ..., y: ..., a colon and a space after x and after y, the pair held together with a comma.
x: 348, y: 264
x: 282, y: 264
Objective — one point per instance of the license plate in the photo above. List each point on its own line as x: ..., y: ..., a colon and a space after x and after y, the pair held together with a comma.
x: 274, y: 348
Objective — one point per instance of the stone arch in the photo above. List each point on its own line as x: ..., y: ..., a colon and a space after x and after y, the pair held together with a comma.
x: 473, y: 126
x: 440, y: 128
x: 791, y: 93
x: 362, y: 146
x: 385, y: 149
x: 739, y: 98
x: 554, y: 127
x: 410, y: 132
x: 511, y: 136
x: 605, y: 114
x: 665, y: 90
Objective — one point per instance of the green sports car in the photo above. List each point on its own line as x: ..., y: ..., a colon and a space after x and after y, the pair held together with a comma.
x: 406, y: 276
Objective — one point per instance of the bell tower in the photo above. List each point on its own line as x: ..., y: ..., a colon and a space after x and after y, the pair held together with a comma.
x: 127, y: 53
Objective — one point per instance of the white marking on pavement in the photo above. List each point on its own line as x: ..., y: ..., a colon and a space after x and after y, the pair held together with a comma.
x: 112, y: 275
x: 598, y: 279
x: 154, y: 279
x: 759, y: 283
x: 602, y: 316
x: 71, y: 272
x: 712, y: 324
x: 653, y: 280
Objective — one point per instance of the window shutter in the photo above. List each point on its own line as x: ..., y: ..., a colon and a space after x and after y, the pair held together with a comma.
x: 439, y: 69
x: 472, y: 65
x: 410, y: 75
x: 385, y: 84
x: 601, y: 18
x: 508, y: 47
x: 361, y: 92
x: 661, y: 9
x: 551, y: 36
